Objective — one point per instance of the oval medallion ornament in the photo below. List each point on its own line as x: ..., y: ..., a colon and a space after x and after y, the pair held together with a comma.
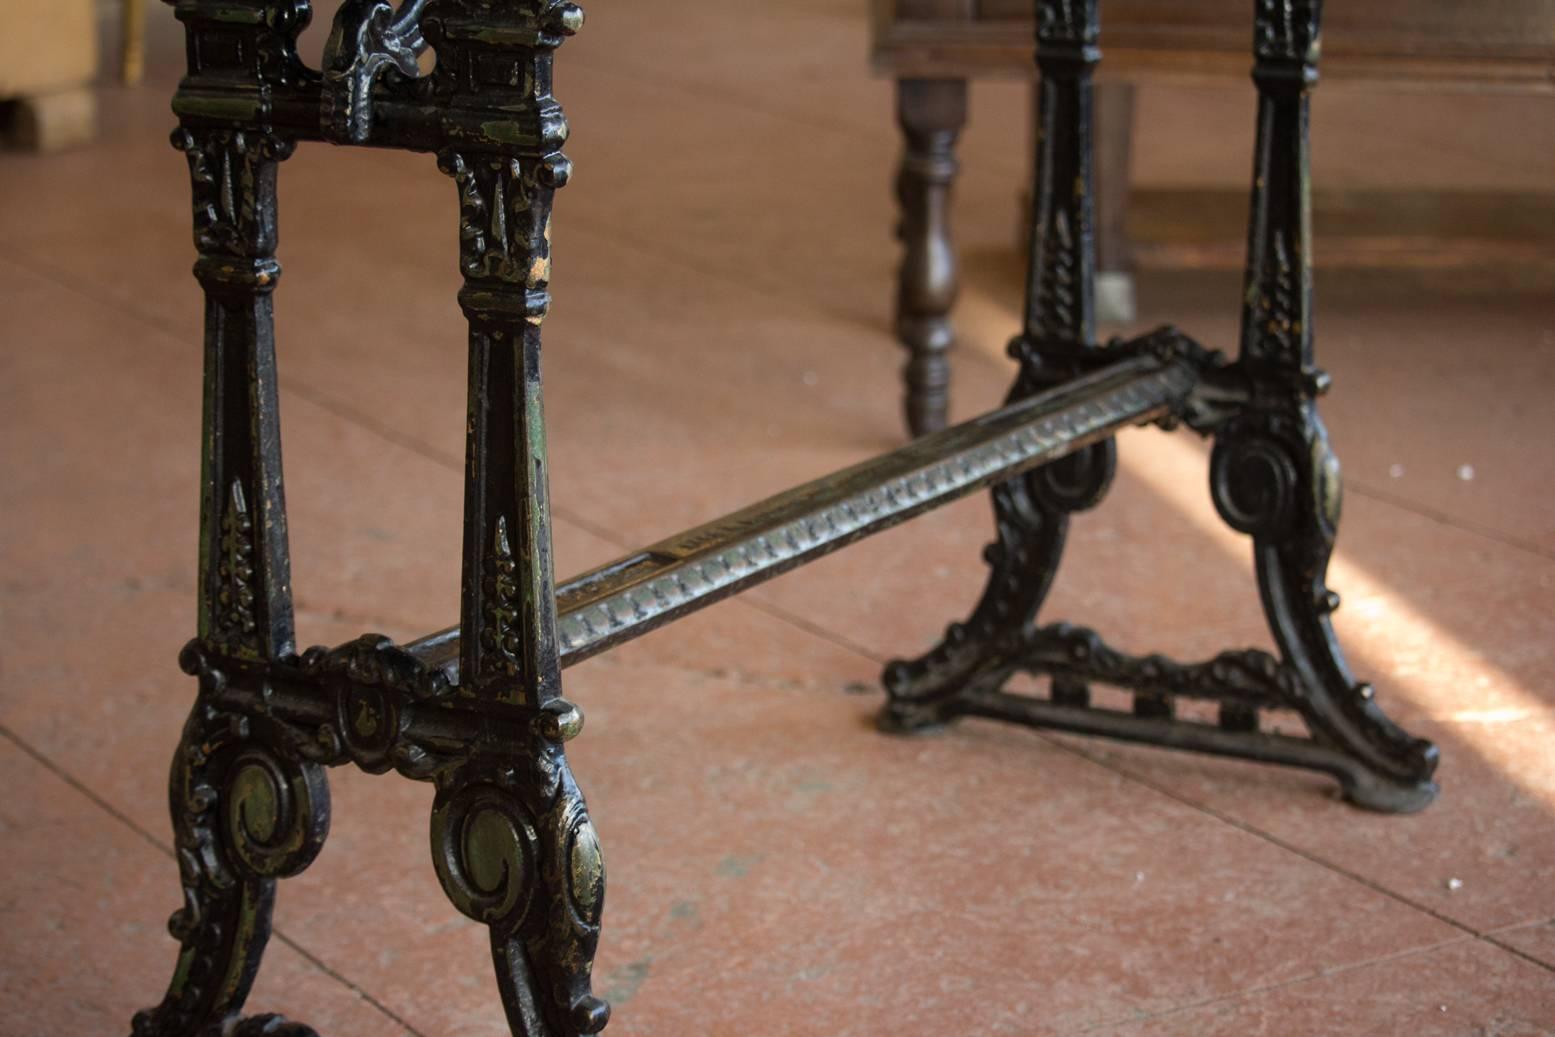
x: 275, y: 812
x: 586, y: 872
x: 483, y: 848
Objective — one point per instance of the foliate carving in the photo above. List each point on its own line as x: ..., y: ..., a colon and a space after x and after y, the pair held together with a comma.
x: 1279, y: 305
x: 1287, y: 30
x: 1067, y: 21
x: 1059, y: 313
x: 1245, y: 677
x: 374, y: 660
x: 503, y: 217
x: 233, y: 177
x: 238, y: 622
x: 372, y: 685
x: 502, y: 634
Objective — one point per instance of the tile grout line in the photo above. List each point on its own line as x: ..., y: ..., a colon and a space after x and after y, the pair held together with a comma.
x: 351, y: 415
x: 344, y: 411
x: 708, y: 93
x: 1430, y: 513
x: 118, y: 815
x: 1274, y: 840
x: 1337, y: 970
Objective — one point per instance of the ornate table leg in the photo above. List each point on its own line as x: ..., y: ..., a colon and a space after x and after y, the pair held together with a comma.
x: 931, y: 113
x: 511, y: 836
x: 246, y: 807
x: 1272, y: 473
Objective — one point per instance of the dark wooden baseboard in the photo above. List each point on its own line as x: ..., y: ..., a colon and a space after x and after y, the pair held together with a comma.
x: 1198, y: 228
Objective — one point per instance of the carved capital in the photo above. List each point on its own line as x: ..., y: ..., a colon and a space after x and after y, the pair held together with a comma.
x: 1068, y: 23
x: 232, y: 173
x: 1287, y: 30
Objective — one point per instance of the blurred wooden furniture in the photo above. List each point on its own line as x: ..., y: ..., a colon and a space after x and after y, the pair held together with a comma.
x: 934, y: 47
x: 133, y: 56
x: 48, y: 59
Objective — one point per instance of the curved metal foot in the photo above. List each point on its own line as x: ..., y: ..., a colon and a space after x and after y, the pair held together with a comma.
x: 1031, y: 516
x: 246, y: 811
x: 1274, y: 477
x: 515, y: 850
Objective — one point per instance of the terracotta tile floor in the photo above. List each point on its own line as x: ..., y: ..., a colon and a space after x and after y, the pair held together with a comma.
x: 723, y: 264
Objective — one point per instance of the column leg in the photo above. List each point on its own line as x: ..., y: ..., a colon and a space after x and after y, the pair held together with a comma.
x: 511, y: 836
x: 1273, y: 474
x: 931, y: 113
x: 246, y: 808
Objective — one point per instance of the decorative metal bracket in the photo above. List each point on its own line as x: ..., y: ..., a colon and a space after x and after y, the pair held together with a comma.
x: 370, y: 39
x: 477, y: 709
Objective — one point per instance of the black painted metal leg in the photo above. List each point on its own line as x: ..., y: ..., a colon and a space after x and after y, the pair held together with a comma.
x: 931, y: 113
x: 1273, y: 475
x: 515, y: 850
x: 511, y: 836
x: 245, y: 813
x: 246, y: 808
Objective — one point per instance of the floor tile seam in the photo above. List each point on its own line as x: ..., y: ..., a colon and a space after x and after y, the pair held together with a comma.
x: 1443, y: 518
x: 80, y: 787
x: 324, y: 401
x: 1531, y: 923
x: 351, y: 415
x: 657, y: 253
x: 733, y: 675
x: 1274, y: 840
x: 333, y: 405
x: 1370, y: 491
x: 1517, y: 952
x: 712, y: 93
x: 761, y: 604
x: 1265, y: 988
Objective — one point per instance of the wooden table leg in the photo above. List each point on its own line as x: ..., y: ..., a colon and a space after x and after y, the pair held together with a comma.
x: 931, y: 113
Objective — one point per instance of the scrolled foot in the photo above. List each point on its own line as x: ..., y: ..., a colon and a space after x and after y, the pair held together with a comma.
x: 515, y: 849
x: 246, y: 811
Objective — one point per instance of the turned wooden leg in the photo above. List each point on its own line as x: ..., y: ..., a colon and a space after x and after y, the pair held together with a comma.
x: 931, y: 113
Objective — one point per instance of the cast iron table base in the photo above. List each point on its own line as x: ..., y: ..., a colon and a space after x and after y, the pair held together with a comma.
x: 477, y: 709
